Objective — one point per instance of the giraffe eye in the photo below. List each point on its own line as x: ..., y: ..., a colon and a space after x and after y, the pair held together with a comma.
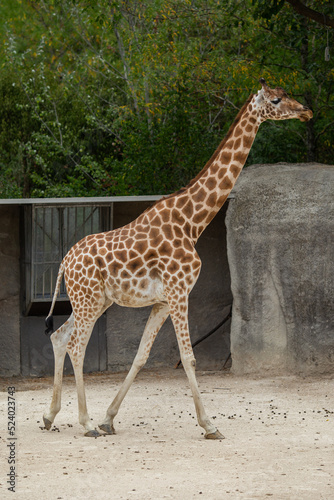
x: 276, y: 100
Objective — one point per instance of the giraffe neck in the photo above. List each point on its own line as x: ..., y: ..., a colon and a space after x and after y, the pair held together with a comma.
x: 200, y: 201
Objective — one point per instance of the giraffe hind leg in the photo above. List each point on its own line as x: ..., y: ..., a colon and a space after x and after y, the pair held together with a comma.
x: 59, y: 340
x: 76, y: 350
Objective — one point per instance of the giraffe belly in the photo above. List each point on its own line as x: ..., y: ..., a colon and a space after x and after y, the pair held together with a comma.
x: 139, y: 295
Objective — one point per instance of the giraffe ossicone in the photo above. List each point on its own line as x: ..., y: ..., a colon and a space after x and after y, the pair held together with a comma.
x: 153, y: 261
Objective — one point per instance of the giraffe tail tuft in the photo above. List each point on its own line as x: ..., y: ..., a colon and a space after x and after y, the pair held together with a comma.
x: 49, y: 325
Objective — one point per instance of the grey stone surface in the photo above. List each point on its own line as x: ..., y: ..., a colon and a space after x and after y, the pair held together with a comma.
x: 280, y: 239
x: 37, y: 358
x: 9, y: 291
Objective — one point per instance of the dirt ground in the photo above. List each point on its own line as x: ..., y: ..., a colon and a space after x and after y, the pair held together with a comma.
x: 279, y: 440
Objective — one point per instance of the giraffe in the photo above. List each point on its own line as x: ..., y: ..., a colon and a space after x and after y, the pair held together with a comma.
x: 153, y: 261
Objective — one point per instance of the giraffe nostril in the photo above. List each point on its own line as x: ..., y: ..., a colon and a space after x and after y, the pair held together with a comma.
x: 306, y: 114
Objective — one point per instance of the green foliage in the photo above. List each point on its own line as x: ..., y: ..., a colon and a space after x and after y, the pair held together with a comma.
x: 266, y: 9
x: 101, y: 97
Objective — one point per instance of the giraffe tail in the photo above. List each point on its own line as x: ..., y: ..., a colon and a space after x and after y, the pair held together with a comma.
x: 49, y: 318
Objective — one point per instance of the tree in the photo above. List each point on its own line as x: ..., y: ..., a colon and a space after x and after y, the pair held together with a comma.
x: 127, y: 97
x: 268, y: 8
x: 304, y: 51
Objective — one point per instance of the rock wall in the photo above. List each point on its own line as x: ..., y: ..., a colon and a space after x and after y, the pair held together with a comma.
x: 280, y: 242
x: 9, y: 291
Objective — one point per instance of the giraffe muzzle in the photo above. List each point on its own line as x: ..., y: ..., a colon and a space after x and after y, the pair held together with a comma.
x: 306, y: 114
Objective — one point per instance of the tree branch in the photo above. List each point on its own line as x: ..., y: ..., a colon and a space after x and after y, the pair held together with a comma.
x: 324, y: 130
x: 305, y: 11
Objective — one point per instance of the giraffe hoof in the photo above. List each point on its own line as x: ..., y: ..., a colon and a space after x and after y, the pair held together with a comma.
x: 47, y: 423
x: 93, y: 433
x: 108, y: 429
x: 214, y: 435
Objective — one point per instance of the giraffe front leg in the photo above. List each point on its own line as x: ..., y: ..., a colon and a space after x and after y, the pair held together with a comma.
x: 156, y: 319
x: 211, y: 432
x: 179, y: 315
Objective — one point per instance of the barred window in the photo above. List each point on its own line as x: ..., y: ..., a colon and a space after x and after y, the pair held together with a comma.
x: 54, y: 230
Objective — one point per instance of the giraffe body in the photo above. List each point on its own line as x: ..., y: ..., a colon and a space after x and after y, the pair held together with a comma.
x: 153, y: 261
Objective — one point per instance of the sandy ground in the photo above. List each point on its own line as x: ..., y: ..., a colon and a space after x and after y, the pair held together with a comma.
x: 279, y: 440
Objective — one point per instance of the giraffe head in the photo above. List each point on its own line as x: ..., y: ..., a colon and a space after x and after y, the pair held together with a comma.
x: 275, y: 104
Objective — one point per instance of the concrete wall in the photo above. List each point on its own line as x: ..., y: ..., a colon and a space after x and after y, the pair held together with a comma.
x: 9, y: 291
x: 37, y: 358
x: 280, y: 237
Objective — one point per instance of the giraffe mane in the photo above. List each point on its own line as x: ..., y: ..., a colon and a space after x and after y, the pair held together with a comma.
x: 215, y: 154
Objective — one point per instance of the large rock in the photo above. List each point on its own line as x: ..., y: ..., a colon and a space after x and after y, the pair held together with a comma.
x: 280, y: 238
